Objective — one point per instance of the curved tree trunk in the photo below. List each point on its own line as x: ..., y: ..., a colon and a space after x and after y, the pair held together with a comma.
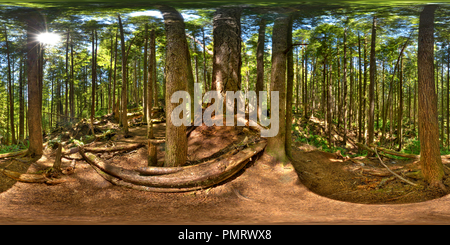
x: 175, y: 179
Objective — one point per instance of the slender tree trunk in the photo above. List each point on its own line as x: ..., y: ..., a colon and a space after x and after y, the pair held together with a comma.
x: 22, y: 102
x: 124, y: 79
x: 373, y: 70
x: 329, y: 102
x: 176, y: 75
x: 430, y: 158
x: 34, y: 26
x: 400, y: 107
x: 448, y: 98
x: 151, y: 78
x: 72, y: 82
x: 10, y: 90
x: 260, y: 60
x: 145, y: 95
x: 276, y: 146
x: 360, y: 92
x: 115, y: 104
x: 344, y: 97
x: 289, y: 92
x: 94, y: 78
x: 66, y: 109
x: 204, y: 61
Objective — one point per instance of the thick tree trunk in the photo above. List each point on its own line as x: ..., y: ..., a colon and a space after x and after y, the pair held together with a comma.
x: 227, y: 50
x: 373, y: 70
x: 276, y: 146
x: 34, y: 26
x: 430, y: 159
x: 176, y: 77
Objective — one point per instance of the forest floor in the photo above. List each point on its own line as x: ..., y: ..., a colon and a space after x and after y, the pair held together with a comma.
x: 317, y: 187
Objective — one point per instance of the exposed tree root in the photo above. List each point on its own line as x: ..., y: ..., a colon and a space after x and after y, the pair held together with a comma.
x: 180, y: 179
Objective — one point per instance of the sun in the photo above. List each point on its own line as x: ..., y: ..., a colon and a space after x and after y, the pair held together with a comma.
x: 49, y: 38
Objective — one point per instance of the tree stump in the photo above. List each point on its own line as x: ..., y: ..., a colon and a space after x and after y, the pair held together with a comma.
x: 152, y: 152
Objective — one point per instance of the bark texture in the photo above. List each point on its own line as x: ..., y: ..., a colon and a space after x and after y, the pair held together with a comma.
x: 372, y: 74
x: 34, y: 26
x: 176, y: 77
x: 428, y: 117
x: 227, y: 50
x: 276, y: 145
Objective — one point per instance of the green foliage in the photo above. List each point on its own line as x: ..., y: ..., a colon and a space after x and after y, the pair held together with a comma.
x: 12, y: 148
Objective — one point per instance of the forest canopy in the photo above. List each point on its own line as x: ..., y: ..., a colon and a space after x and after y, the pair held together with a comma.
x: 354, y: 66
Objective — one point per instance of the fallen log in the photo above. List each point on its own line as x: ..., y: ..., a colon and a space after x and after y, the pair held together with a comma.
x: 188, y: 178
x: 395, y: 153
x: 103, y: 150
x: 13, y: 154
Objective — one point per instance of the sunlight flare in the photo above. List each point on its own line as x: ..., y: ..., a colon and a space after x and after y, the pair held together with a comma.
x: 49, y: 38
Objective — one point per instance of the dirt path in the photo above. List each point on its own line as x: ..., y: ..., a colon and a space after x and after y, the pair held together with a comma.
x: 262, y: 193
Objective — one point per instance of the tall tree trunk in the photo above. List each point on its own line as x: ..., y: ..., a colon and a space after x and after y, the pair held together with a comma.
x: 34, y: 26
x: 400, y: 107
x: 430, y: 158
x: 94, y: 78
x: 176, y: 76
x: 276, y: 145
x: 124, y: 80
x: 66, y: 109
x: 115, y: 103
x: 227, y: 50
x: 10, y: 90
x: 260, y: 60
x: 145, y: 83
x: 289, y: 92
x: 373, y: 70
x: 448, y: 98
x: 360, y: 128
x: 72, y: 82
x: 344, y: 97
x: 204, y: 60
x: 151, y: 78
x: 22, y: 102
